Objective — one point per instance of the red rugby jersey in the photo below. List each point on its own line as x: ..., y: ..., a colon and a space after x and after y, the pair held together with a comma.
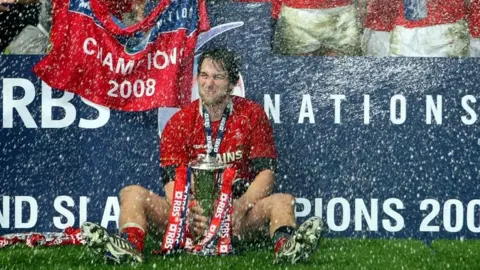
x: 248, y: 135
x: 307, y: 4
x: 381, y: 15
x: 135, y: 68
x: 439, y: 12
x: 474, y: 18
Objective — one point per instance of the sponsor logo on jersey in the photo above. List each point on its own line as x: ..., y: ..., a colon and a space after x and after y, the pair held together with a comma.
x: 199, y: 146
x: 227, y: 157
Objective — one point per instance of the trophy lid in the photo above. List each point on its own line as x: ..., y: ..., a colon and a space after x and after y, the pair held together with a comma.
x: 207, y: 163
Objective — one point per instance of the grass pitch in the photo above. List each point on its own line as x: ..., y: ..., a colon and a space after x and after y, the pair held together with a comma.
x: 334, y: 253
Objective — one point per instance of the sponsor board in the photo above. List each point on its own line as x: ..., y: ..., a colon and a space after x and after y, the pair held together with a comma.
x: 385, y: 147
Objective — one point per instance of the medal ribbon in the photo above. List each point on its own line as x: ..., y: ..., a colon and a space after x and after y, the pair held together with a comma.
x: 212, y: 149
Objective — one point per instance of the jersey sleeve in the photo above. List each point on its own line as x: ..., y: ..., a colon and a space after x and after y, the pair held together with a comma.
x: 276, y: 6
x: 173, y: 147
x: 204, y: 22
x: 263, y: 143
x: 474, y: 19
x: 381, y: 15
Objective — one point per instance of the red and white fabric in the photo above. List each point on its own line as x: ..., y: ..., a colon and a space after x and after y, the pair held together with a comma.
x: 443, y: 33
x: 136, y: 68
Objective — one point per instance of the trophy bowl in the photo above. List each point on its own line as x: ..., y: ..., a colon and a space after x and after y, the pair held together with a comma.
x: 207, y: 173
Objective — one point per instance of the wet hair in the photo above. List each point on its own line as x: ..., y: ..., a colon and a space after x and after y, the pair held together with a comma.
x: 223, y: 59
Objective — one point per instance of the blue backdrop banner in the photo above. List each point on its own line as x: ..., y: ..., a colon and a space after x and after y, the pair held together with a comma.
x: 379, y: 147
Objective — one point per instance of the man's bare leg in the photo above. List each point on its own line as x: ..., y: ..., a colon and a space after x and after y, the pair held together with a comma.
x: 277, y: 211
x: 143, y: 207
x: 140, y: 210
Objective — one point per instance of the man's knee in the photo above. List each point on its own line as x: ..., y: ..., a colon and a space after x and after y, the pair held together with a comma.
x: 132, y: 192
x: 283, y: 199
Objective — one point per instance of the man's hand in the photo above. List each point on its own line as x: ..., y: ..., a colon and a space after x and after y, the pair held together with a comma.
x: 197, y: 222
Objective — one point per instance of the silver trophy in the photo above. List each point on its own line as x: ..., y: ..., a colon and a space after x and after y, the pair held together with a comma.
x: 207, y: 174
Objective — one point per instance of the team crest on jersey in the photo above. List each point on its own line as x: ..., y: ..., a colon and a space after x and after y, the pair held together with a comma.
x: 238, y: 136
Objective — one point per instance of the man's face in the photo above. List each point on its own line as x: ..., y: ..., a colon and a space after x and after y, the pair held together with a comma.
x: 213, y: 84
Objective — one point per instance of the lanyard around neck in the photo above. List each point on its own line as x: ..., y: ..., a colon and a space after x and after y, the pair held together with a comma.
x: 212, y: 149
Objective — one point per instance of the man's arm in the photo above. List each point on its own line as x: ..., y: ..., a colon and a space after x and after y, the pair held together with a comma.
x: 263, y: 163
x: 168, y: 188
x: 261, y: 187
x: 173, y: 152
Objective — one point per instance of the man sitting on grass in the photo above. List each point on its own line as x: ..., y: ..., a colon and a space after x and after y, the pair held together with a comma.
x: 238, y: 133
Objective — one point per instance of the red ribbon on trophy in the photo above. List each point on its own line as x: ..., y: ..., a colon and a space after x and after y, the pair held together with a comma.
x: 216, y: 240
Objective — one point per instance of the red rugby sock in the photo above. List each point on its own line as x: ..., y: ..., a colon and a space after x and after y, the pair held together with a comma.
x: 136, y: 236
